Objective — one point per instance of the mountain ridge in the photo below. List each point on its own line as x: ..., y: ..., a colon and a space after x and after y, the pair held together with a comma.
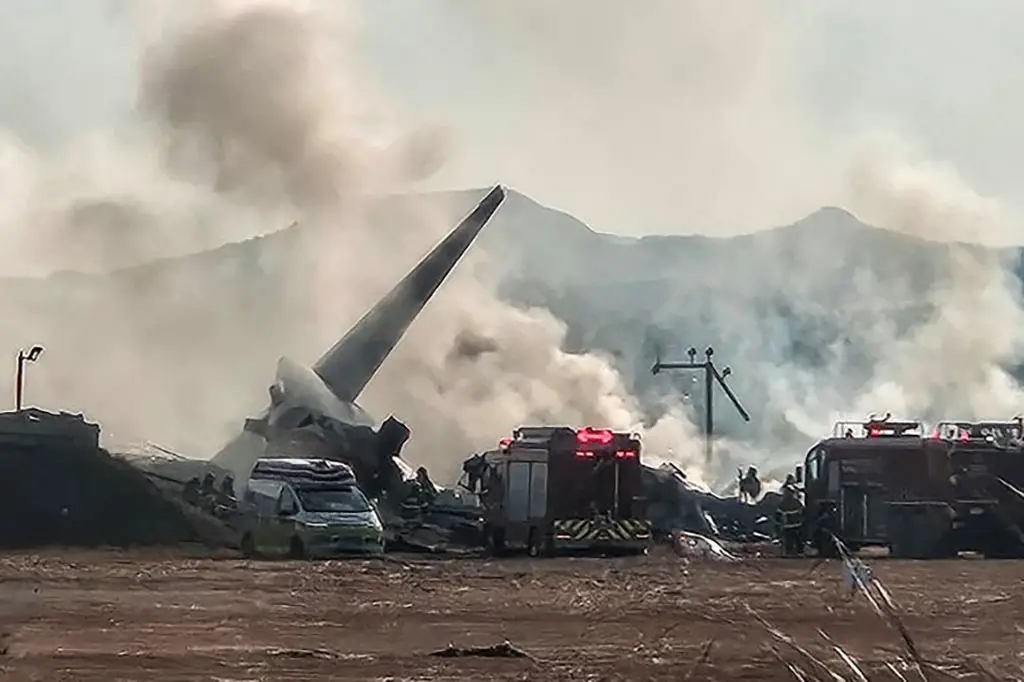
x: 838, y: 221
x: 801, y: 300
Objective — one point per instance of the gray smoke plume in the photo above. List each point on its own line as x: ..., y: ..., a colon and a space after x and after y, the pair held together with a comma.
x: 252, y: 115
x: 691, y: 110
x: 248, y: 119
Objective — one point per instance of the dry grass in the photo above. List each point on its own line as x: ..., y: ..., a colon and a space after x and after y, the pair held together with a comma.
x: 904, y: 666
x: 107, y: 616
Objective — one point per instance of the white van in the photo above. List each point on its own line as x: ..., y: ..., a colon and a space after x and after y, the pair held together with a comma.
x: 312, y: 508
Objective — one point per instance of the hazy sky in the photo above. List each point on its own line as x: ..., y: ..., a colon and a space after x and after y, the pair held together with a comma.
x: 943, y: 74
x: 663, y: 116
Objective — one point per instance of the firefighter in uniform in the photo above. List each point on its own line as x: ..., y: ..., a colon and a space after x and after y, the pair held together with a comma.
x: 789, y: 517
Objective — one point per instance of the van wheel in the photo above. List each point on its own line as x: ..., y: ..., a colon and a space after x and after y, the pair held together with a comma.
x: 248, y: 546
x: 296, y: 550
x: 496, y: 542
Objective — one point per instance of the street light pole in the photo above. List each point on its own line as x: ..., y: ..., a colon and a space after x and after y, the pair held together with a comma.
x: 711, y: 375
x: 19, y: 380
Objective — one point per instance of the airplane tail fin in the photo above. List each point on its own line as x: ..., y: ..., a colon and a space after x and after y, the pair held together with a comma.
x: 350, y: 364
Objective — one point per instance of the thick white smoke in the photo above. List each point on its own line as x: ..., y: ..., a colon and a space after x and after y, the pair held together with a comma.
x: 252, y: 115
x: 249, y: 117
x: 957, y: 362
x: 689, y: 114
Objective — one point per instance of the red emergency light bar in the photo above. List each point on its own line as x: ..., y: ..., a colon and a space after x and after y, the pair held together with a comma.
x: 885, y: 433
x: 505, y: 443
x: 887, y: 429
x: 962, y: 435
x: 876, y: 428
x: 590, y: 436
x: 619, y: 454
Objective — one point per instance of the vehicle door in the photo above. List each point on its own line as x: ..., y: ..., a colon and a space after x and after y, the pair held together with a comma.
x: 261, y: 506
x: 815, y: 481
x: 862, y: 495
x: 283, y: 524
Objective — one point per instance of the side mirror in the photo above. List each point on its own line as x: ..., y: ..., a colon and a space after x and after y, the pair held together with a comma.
x: 799, y: 474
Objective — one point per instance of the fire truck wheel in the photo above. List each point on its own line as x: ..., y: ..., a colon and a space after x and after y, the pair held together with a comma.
x: 533, y: 543
x: 540, y: 545
x: 1002, y: 553
x: 826, y: 547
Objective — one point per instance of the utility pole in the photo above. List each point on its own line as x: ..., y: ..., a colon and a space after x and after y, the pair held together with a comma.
x: 711, y: 375
x: 19, y: 379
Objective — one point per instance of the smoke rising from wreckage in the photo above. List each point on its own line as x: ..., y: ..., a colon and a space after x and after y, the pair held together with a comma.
x: 824, y: 314
x: 590, y: 311
x: 313, y: 413
x: 558, y: 325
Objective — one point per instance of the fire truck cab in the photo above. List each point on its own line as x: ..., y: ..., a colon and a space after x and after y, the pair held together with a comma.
x: 844, y: 481
x: 555, y: 488
x: 967, y: 498
x: 887, y: 483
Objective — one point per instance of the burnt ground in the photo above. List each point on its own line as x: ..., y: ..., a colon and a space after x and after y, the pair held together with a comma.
x: 161, y: 615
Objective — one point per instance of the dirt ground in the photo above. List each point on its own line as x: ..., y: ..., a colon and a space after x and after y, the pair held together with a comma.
x: 108, y: 615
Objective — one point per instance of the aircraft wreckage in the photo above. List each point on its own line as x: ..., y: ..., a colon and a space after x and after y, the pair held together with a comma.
x: 313, y: 413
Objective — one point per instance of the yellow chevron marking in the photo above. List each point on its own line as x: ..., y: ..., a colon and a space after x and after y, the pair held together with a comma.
x: 585, y: 530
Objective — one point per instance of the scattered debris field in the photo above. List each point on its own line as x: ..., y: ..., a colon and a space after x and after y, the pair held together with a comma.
x: 161, y: 615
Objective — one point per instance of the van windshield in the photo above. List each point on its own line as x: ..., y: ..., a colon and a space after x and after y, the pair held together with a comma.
x: 347, y: 499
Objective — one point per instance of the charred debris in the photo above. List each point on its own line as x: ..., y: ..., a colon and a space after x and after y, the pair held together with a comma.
x: 312, y: 412
x: 62, y: 488
x: 923, y: 495
x: 419, y: 514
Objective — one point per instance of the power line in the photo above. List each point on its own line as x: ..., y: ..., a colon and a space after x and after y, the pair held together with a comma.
x: 712, y: 375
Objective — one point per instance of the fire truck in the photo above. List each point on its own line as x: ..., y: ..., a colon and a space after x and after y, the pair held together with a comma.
x: 966, y: 497
x: 844, y: 480
x: 887, y: 483
x: 549, y: 489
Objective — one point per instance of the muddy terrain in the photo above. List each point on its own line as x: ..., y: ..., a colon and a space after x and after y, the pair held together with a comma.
x: 104, y: 616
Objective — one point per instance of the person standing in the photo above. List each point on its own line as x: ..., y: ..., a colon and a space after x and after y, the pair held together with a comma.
x: 789, y: 517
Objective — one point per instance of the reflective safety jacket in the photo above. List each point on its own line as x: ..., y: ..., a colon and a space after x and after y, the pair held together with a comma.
x: 790, y: 513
